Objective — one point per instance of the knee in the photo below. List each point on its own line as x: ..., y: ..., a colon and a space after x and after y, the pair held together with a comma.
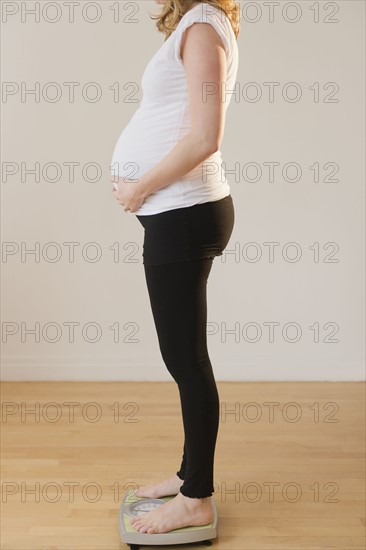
x: 183, y: 370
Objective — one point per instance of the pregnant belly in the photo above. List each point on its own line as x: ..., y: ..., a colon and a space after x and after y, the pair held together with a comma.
x: 118, y: 181
x: 146, y: 140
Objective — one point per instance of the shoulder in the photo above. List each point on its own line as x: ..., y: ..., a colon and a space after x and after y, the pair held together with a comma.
x: 206, y: 13
x: 203, y: 13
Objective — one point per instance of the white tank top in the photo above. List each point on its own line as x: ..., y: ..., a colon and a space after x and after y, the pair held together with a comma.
x: 162, y: 119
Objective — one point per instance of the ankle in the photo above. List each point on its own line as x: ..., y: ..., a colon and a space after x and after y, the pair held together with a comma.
x: 194, y: 501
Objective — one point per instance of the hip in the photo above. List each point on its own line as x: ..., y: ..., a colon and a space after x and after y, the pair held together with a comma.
x: 188, y: 233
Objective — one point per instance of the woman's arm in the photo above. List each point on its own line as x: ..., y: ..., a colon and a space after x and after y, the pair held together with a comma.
x: 204, y: 60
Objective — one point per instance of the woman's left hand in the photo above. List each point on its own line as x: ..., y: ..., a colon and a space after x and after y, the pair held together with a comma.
x: 129, y: 194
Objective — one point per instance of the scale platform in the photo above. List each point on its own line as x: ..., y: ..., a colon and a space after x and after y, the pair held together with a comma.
x: 132, y: 506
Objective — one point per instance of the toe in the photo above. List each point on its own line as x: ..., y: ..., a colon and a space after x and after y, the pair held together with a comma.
x: 145, y: 528
x: 136, y: 524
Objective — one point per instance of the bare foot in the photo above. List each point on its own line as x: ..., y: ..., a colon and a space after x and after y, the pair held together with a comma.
x: 178, y: 512
x: 167, y: 487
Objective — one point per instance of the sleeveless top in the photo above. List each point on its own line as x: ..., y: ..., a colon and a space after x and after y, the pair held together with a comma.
x: 162, y: 119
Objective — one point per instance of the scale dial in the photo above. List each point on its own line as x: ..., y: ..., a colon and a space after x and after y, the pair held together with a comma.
x: 143, y: 506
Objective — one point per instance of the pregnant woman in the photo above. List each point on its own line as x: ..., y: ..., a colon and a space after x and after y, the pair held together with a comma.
x: 166, y: 169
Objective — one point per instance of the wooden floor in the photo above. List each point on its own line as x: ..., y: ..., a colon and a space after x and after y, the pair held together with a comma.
x: 288, y: 475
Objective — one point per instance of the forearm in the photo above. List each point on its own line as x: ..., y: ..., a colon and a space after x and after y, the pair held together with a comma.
x: 188, y: 153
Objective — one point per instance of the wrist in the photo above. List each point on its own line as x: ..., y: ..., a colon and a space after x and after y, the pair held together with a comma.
x: 141, y: 189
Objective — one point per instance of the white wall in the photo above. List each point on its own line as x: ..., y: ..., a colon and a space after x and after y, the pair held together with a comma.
x: 321, y: 294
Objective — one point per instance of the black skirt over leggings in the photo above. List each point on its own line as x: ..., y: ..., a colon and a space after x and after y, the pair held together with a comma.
x: 179, y: 249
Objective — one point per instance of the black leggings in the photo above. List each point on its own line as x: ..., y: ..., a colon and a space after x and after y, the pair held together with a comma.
x: 178, y: 300
x: 179, y: 249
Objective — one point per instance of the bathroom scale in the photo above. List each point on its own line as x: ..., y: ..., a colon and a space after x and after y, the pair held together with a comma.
x: 132, y: 506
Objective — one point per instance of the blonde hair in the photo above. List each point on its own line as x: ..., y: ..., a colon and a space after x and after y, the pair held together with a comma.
x: 174, y: 10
